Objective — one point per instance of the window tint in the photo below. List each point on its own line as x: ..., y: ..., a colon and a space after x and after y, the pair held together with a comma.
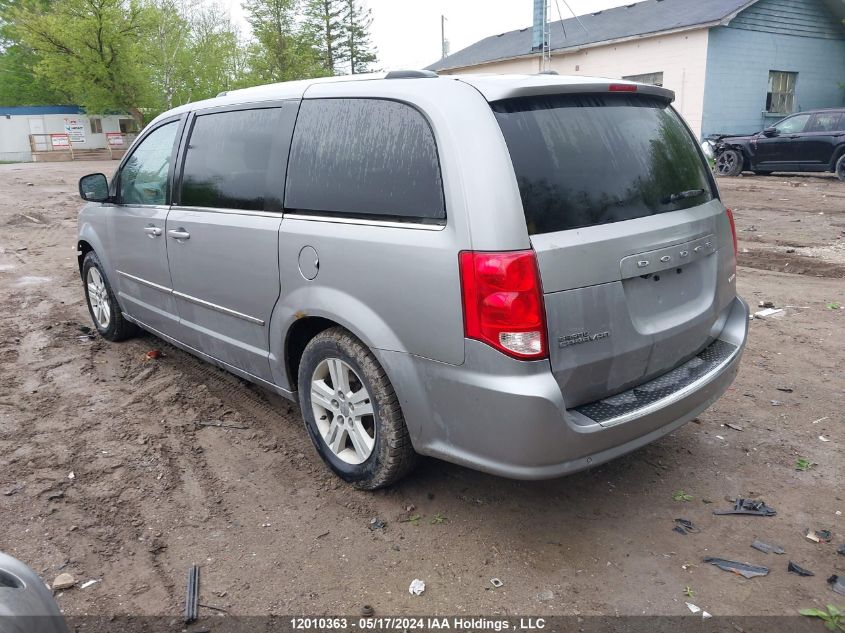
x: 826, y: 122
x: 364, y: 157
x: 583, y: 160
x: 143, y: 179
x: 793, y: 125
x: 234, y: 161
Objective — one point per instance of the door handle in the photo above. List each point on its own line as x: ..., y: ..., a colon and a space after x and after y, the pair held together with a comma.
x: 179, y: 234
x: 152, y: 231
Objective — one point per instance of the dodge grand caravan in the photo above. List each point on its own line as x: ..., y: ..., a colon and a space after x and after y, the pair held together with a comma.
x: 527, y: 275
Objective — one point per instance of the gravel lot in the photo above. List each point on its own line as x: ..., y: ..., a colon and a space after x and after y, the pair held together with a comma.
x: 274, y: 532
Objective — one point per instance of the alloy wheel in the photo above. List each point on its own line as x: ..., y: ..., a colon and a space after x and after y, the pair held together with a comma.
x: 343, y: 411
x: 98, y: 298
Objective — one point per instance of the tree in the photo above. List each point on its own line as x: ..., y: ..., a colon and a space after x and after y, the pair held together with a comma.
x: 90, y: 50
x: 281, y: 51
x: 324, y: 22
x: 19, y: 84
x: 360, y: 51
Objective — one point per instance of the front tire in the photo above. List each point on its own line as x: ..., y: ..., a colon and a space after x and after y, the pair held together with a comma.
x: 729, y: 163
x: 352, y: 413
x: 840, y: 168
x: 102, y: 304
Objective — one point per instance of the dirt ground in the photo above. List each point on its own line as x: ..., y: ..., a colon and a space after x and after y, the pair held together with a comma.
x: 275, y: 532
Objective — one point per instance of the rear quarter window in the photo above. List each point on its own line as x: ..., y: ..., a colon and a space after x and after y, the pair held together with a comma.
x: 368, y: 158
x: 585, y: 160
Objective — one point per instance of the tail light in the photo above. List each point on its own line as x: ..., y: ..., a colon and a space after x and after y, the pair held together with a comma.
x: 622, y: 88
x: 503, y: 302
x: 733, y: 233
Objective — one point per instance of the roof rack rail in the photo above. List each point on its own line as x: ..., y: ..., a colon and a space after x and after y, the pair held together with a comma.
x: 411, y: 74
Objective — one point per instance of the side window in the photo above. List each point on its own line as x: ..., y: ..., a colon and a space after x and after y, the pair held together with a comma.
x: 793, y: 125
x: 825, y: 122
x: 236, y: 160
x: 143, y: 179
x: 364, y: 157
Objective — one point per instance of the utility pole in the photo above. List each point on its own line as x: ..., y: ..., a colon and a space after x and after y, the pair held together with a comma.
x: 444, y: 43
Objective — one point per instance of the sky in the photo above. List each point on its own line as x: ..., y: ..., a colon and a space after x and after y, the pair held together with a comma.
x: 407, y: 32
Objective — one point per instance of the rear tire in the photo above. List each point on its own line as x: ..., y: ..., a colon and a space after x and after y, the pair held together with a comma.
x: 352, y: 413
x: 840, y: 168
x: 729, y: 163
x: 102, y: 304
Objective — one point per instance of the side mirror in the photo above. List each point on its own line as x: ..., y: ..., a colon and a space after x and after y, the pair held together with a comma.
x: 770, y: 131
x: 94, y: 188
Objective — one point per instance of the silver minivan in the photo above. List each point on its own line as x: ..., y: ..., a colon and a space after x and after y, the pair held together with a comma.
x: 525, y: 274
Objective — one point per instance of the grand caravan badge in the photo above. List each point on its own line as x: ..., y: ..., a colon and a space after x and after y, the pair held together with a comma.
x: 580, y: 337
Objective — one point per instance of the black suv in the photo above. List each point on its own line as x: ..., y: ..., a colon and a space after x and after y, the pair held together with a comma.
x: 807, y: 141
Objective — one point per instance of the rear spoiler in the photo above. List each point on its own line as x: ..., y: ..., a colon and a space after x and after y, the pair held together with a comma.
x: 494, y: 90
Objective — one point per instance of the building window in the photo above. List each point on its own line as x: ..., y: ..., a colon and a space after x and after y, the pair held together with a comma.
x: 128, y: 126
x: 96, y: 126
x: 655, y: 79
x: 780, y: 97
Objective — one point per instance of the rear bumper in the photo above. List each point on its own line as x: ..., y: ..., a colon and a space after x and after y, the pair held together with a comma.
x: 509, y: 418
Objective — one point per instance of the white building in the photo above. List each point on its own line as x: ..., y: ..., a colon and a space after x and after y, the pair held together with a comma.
x: 61, y: 133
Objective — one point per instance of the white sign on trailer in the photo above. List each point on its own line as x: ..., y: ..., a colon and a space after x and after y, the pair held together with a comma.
x: 75, y: 130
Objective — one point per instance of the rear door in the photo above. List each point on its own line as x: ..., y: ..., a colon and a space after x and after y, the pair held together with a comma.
x: 824, y: 133
x: 634, y: 249
x: 223, y: 236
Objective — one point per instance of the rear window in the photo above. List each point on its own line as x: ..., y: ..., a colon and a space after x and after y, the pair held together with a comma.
x: 368, y: 158
x: 584, y: 160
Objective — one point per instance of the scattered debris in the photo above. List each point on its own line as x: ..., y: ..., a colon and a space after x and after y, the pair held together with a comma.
x: 71, y: 475
x: 496, y: 582
x: 680, y: 495
x: 743, y: 569
x: 767, y: 548
x: 322, y: 534
x: 693, y: 607
x: 785, y: 389
x: 685, y: 526
x: 735, y: 427
x: 819, y: 536
x: 776, y: 403
x: 8, y: 492
x: 376, y: 524
x: 88, y: 583
x: 837, y: 583
x: 154, y: 354
x: 545, y: 595
x: 803, y: 464
x: 766, y: 304
x: 720, y: 437
x: 749, y: 506
x: 764, y: 314
x: 63, y: 581
x: 823, y: 438
x: 841, y: 550
x: 820, y: 420
x: 192, y: 594
x: 222, y: 424
x: 797, y: 569
x: 417, y: 587
x: 367, y: 611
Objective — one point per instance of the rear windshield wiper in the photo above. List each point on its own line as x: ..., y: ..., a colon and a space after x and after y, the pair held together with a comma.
x: 682, y: 195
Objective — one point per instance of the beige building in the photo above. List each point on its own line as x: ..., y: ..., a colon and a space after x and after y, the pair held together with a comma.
x: 734, y: 65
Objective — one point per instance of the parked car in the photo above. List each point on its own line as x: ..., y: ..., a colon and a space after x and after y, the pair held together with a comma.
x: 527, y: 275
x: 807, y: 141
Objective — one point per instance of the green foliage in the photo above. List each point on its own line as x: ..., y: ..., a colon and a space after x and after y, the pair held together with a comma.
x: 680, y: 495
x: 803, y: 464
x: 833, y: 617
x: 147, y: 56
x: 360, y: 52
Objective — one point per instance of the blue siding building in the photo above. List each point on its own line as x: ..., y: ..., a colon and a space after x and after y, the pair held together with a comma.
x: 736, y: 66
x: 800, y: 43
